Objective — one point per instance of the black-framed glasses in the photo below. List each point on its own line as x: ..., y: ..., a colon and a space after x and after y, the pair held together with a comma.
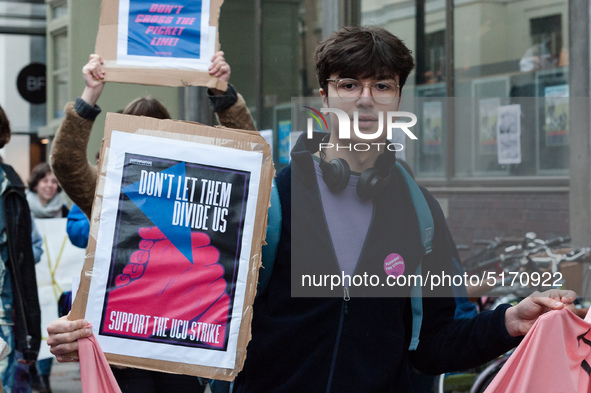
x: 383, y: 92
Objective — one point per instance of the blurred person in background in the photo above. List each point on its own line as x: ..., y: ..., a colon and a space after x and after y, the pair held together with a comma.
x: 20, y: 315
x: 45, y: 201
x: 44, y: 196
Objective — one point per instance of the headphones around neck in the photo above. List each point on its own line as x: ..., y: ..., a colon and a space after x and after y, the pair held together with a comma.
x: 372, y: 181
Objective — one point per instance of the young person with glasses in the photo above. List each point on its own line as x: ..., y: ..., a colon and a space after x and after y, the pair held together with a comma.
x: 358, y: 342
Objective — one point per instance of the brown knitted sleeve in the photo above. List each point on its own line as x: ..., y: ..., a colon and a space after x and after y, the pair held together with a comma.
x: 75, y: 174
x: 237, y: 116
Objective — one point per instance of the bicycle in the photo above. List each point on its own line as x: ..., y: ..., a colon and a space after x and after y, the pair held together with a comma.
x: 529, y: 256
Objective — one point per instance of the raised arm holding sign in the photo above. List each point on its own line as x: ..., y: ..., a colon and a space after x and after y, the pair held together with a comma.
x: 78, y: 178
x: 75, y: 174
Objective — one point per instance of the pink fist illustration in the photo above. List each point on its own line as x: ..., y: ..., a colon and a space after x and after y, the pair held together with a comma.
x: 160, y: 293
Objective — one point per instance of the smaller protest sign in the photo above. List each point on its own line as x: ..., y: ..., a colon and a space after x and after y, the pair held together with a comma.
x: 171, y: 39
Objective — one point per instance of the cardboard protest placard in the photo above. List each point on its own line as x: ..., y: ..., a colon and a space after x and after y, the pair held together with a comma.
x: 177, y: 226
x: 159, y: 42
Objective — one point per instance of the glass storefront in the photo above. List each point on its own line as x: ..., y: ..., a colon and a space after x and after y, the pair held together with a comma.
x: 422, y: 27
x: 23, y: 81
x: 505, y: 53
x: 277, y: 67
x: 510, y: 59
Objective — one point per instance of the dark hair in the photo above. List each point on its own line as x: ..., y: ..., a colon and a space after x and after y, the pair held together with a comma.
x: 39, y: 173
x: 147, y: 106
x: 361, y: 52
x: 4, y: 128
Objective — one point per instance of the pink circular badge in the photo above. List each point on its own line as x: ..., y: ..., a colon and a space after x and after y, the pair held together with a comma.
x: 394, y: 265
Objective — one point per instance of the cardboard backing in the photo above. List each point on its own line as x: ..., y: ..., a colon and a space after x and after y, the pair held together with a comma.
x: 106, y: 46
x: 198, y: 133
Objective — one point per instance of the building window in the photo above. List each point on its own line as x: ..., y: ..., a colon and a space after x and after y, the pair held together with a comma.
x: 59, y: 60
x: 510, y: 62
x: 280, y: 68
x: 435, y: 56
x: 58, y: 9
x: 528, y: 77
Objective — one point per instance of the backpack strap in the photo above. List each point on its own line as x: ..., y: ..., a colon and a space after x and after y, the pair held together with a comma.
x: 426, y: 227
x: 416, y: 304
x: 421, y: 209
x: 269, y: 250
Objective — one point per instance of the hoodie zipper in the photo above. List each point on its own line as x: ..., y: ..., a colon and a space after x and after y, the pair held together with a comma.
x: 346, y: 298
x: 344, y: 311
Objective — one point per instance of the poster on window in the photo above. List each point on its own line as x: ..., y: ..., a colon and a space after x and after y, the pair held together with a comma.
x: 556, y: 115
x: 173, y: 39
x: 487, y: 124
x: 432, y: 125
x: 178, y: 245
x: 509, y: 134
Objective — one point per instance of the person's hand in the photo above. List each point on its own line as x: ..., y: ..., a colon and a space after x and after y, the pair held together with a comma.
x: 93, y: 72
x: 94, y: 75
x: 220, y: 69
x: 159, y: 281
x: 520, y: 318
x: 63, y: 336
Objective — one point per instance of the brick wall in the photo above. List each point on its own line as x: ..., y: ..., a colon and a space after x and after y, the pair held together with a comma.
x: 485, y: 215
